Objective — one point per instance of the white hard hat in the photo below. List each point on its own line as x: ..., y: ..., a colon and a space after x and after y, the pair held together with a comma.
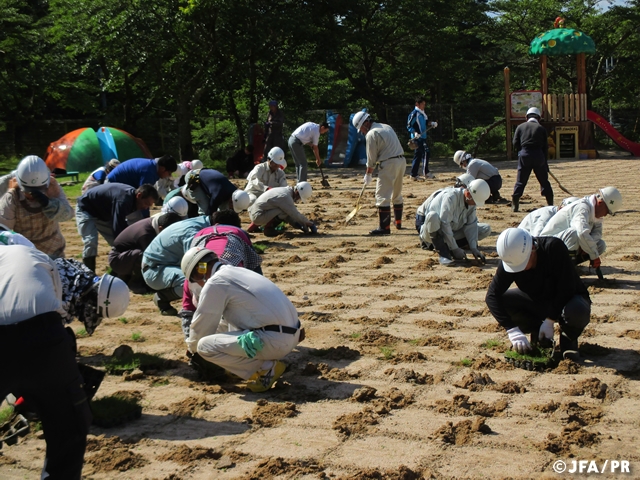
x: 514, y: 249
x: 533, y: 111
x: 182, y: 169
x: 612, y: 198
x: 304, y: 190
x: 461, y: 155
x: 33, y: 172
x: 465, y: 179
x: 568, y: 201
x: 359, y: 119
x: 196, y: 164
x: 241, y: 200
x: 191, y: 258
x: 9, y: 237
x: 113, y: 296
x: 479, y: 190
x: 176, y: 205
x: 276, y: 155
x: 187, y: 194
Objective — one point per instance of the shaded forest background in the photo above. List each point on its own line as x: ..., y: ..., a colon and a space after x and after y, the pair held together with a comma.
x: 190, y: 76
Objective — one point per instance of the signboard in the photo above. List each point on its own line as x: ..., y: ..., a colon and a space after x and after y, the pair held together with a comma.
x: 523, y: 100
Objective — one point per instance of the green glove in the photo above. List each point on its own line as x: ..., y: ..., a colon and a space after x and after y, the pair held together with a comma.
x: 250, y: 343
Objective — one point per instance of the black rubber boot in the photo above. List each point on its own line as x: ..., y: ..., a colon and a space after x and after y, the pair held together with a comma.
x: 90, y: 262
x: 385, y: 222
x: 163, y: 299
x: 569, y: 348
x: 515, y: 203
x: 397, y: 213
x: 549, y: 199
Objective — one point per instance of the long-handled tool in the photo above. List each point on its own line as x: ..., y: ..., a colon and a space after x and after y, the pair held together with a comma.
x: 357, y: 208
x: 559, y: 184
x: 325, y: 182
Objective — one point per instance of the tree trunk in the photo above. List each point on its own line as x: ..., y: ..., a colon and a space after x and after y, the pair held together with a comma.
x: 236, y: 118
x: 183, y: 117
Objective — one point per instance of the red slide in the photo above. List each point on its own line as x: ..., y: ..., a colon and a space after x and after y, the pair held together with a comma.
x: 606, y: 127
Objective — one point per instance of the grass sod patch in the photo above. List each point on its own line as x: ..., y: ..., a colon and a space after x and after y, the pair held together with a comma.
x: 260, y: 247
x: 538, y: 359
x: 143, y: 361
x: 115, y: 410
x: 5, y: 414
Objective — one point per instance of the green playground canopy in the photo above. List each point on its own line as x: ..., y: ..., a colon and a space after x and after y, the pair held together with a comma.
x: 562, y: 41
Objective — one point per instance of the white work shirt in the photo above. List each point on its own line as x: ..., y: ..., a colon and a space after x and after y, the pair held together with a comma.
x: 29, y: 284
x: 261, y: 178
x: 246, y: 299
x: 308, y: 133
x: 535, y: 222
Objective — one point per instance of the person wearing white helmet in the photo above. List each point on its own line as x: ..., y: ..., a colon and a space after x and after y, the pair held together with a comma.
x: 267, y: 175
x: 481, y: 169
x: 40, y: 357
x: 211, y: 190
x: 9, y: 237
x: 273, y: 129
x: 535, y: 221
x: 579, y: 225
x: 231, y: 244
x: 177, y: 205
x: 447, y: 222
x: 417, y: 124
x: 463, y: 180
x: 263, y: 325
x: 125, y: 257
x: 383, y: 149
x: 240, y: 164
x: 306, y: 134
x: 99, y: 175
x: 530, y: 141
x: 182, y: 192
x: 279, y: 205
x: 549, y: 292
x: 35, y: 205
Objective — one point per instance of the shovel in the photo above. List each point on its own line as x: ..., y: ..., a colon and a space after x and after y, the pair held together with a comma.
x: 325, y: 182
x: 357, y: 208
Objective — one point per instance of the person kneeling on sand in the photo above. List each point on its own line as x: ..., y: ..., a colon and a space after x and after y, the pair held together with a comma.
x: 263, y: 324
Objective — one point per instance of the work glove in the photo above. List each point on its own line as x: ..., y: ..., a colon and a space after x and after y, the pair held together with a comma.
x: 595, y: 263
x: 416, y: 135
x: 458, y: 254
x: 368, y: 178
x: 546, y: 330
x: 434, y: 124
x: 518, y: 340
x: 313, y: 229
x: 39, y: 197
x: 478, y: 255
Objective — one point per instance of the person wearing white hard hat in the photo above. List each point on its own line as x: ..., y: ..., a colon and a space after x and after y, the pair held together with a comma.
x: 240, y: 164
x: 40, y: 358
x: 306, y: 134
x: 35, y: 205
x: 125, y: 257
x: 579, y: 225
x: 267, y: 175
x: 383, y: 149
x: 212, y: 191
x: 177, y: 205
x: 181, y: 192
x: 9, y: 237
x: 417, y: 124
x: 279, y: 205
x: 263, y: 325
x: 99, y: 175
x: 447, y: 222
x: 481, y: 169
x: 535, y: 221
x: 463, y: 180
x: 549, y: 292
x: 530, y: 141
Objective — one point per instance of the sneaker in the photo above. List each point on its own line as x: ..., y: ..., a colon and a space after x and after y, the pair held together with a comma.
x: 264, y: 379
x: 447, y: 262
x: 417, y: 179
x: 430, y: 175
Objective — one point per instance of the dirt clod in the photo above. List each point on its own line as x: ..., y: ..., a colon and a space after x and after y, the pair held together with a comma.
x: 474, y: 381
x: 185, y: 455
x: 270, y: 414
x: 462, y: 433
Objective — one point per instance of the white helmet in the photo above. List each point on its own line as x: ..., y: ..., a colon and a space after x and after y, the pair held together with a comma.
x: 514, y: 249
x: 113, y: 296
x: 182, y: 169
x: 304, y: 190
x: 191, y: 258
x: 33, y: 172
x: 479, y: 190
x: 533, y: 111
x: 461, y: 155
x: 9, y: 237
x: 187, y: 194
x: 465, y: 179
x: 568, y: 201
x: 359, y: 119
x: 612, y: 198
x: 196, y: 164
x: 176, y: 205
x: 276, y: 155
x: 240, y: 200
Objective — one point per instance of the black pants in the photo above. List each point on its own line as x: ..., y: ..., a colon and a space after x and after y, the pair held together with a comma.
x: 528, y: 316
x: 39, y: 364
x: 537, y: 163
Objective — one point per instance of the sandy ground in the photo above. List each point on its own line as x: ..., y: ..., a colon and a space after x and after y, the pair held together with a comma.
x: 395, y: 379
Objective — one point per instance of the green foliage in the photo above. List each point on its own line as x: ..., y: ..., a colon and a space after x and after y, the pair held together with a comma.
x: 492, y: 142
x: 123, y: 320
x: 137, y: 337
x: 115, y: 366
x: 465, y: 362
x: 492, y: 343
x: 81, y: 333
x: 74, y: 191
x: 387, y: 353
x: 5, y: 414
x: 260, y: 247
x: 536, y: 356
x: 113, y: 407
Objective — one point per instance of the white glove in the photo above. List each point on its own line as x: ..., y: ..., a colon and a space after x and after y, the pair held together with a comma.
x: 546, y: 329
x: 416, y: 135
x: 478, y: 255
x: 518, y: 340
x: 434, y: 124
x: 368, y: 178
x: 458, y: 254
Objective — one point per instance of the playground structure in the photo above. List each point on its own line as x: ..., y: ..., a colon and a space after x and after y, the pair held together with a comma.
x: 565, y: 116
